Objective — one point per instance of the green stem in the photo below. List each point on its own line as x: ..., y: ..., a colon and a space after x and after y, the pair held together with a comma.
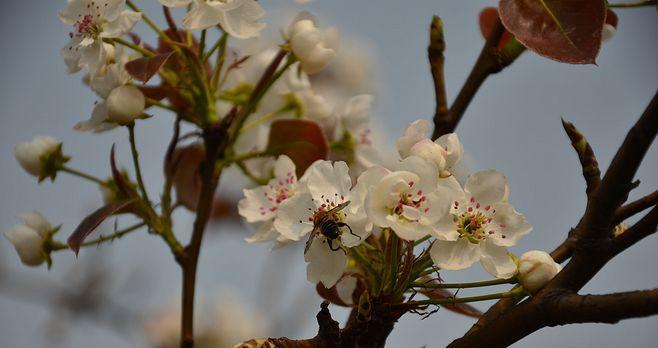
x: 249, y: 126
x: 146, y: 19
x: 633, y: 4
x: 131, y: 45
x: 135, y: 155
x: 221, y: 42
x: 202, y: 42
x: 81, y: 175
x: 420, y: 241
x: 153, y: 102
x: 118, y: 234
x: 514, y: 293
x: 250, y: 175
x: 512, y: 280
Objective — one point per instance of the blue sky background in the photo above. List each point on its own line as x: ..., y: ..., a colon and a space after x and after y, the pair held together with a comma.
x: 512, y: 125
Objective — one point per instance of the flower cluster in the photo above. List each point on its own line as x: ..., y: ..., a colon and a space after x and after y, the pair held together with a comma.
x: 415, y: 198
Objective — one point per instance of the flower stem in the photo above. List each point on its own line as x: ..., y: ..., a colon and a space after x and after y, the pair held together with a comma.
x: 135, y: 155
x: 131, y: 45
x: 55, y: 246
x: 146, y: 19
x: 633, y: 4
x: 420, y: 241
x: 221, y: 42
x: 514, y: 293
x: 153, y: 102
x: 491, y: 282
x: 81, y: 175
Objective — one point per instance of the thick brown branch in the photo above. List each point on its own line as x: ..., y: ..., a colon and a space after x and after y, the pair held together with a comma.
x: 610, y: 308
x: 642, y: 229
x: 626, y: 211
x: 588, y: 162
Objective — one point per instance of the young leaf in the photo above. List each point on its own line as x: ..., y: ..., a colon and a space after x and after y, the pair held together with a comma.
x: 144, y: 68
x: 563, y: 30
x: 89, y: 224
x: 301, y: 140
x: 488, y: 17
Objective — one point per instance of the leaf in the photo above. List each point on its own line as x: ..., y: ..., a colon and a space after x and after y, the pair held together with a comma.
x: 89, y: 224
x: 184, y: 168
x: 117, y: 176
x: 488, y: 17
x: 461, y: 308
x: 567, y: 31
x: 301, y: 140
x: 144, y: 68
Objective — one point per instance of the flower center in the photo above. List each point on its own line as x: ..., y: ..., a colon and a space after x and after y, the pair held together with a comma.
x: 89, y: 23
x: 411, y: 204
x: 474, y: 221
x: 278, y: 192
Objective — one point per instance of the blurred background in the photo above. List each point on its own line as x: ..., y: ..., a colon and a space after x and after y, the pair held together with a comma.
x: 124, y: 294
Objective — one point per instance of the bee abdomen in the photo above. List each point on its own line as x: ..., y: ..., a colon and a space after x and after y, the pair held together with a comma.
x: 329, y: 229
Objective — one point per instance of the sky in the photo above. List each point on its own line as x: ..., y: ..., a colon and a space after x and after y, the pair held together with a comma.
x: 513, y: 125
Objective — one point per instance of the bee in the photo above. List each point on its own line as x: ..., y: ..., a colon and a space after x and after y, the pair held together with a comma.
x: 328, y: 224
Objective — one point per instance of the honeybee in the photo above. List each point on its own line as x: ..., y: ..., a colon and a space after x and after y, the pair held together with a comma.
x: 328, y: 224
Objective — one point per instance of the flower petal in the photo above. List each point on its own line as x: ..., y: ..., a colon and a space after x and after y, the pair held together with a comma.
x: 414, y: 133
x: 324, y: 265
x: 512, y: 224
x: 121, y: 25
x: 292, y: 219
x: 487, y: 187
x: 202, y: 16
x: 496, y: 260
x: 455, y: 255
x: 239, y: 18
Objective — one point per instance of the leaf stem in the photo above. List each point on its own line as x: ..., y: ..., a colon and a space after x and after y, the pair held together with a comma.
x: 55, y: 246
x: 153, y: 102
x: 135, y: 156
x: 131, y: 45
x: 82, y: 175
x: 221, y: 42
x: 514, y: 293
x: 147, y: 19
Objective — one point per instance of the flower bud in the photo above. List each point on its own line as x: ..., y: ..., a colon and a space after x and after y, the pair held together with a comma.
x: 536, y: 269
x: 28, y: 238
x: 38, y: 156
x: 429, y: 150
x: 125, y: 104
x: 313, y: 49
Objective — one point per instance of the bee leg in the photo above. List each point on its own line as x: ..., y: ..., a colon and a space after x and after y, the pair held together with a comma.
x: 342, y: 224
x: 331, y: 246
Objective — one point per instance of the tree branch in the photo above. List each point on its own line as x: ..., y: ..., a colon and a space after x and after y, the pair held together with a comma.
x: 635, y: 207
x: 590, y: 166
x: 435, y: 55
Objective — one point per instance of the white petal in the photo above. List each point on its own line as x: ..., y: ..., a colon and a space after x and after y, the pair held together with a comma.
x: 487, y: 187
x: 415, y: 132
x: 360, y: 229
x: 511, y: 223
x: 71, y: 55
x: 293, y: 215
x: 27, y: 243
x: 456, y: 255
x: 324, y: 265
x: 121, y: 25
x: 345, y: 288
x: 202, y: 16
x: 125, y: 104
x: 240, y: 18
x: 496, y: 260
x: 356, y: 113
x: 265, y: 232
x: 110, y: 9
x: 284, y: 168
x: 257, y: 204
x: 329, y: 184
x: 37, y: 222
x: 426, y: 171
x: 454, y: 150
x: 175, y: 3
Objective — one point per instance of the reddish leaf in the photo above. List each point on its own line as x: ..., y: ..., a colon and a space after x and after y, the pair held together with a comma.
x: 461, y: 308
x: 488, y: 18
x: 117, y: 176
x: 184, y: 167
x: 155, y: 92
x: 301, y: 140
x: 89, y: 224
x: 611, y: 18
x: 332, y: 296
x: 223, y: 208
x: 144, y: 68
x: 568, y: 31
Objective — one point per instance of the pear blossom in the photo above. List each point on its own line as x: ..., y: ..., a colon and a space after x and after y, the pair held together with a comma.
x: 536, y: 269
x: 323, y: 187
x: 314, y: 49
x: 238, y: 18
x: 409, y: 200
x: 28, y: 238
x: 93, y: 21
x: 260, y: 205
x: 125, y: 104
x: 445, y: 152
x: 41, y: 156
x: 479, y: 227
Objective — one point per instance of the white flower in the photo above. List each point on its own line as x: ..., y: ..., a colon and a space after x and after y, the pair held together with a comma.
x: 125, y: 104
x: 445, y: 152
x: 34, y: 156
x: 481, y: 224
x: 93, y: 21
x: 314, y: 49
x: 28, y: 238
x: 409, y: 200
x: 323, y: 187
x: 260, y: 205
x: 238, y: 18
x: 536, y: 269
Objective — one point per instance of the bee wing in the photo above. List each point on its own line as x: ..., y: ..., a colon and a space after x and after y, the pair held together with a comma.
x: 310, y: 239
x: 339, y: 207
